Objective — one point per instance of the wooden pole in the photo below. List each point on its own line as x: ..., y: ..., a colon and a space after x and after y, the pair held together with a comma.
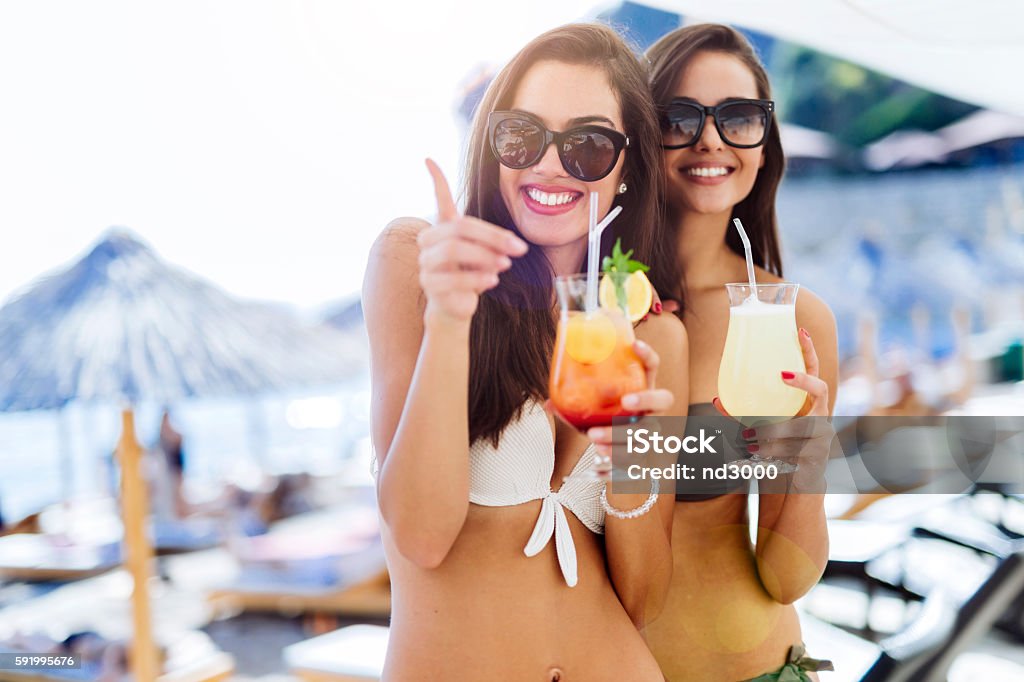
x: 137, y: 550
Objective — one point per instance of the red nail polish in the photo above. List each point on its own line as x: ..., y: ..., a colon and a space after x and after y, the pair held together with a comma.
x: 656, y: 308
x: 788, y: 375
x: 753, y: 448
x: 749, y: 433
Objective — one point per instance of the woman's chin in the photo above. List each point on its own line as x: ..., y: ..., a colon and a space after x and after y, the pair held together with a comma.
x: 551, y: 237
x: 706, y: 208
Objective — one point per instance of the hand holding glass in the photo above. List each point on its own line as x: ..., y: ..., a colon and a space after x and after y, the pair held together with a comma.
x: 761, y: 343
x: 594, y: 364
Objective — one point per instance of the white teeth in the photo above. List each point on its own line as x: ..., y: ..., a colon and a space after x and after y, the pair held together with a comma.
x: 705, y: 172
x: 549, y: 199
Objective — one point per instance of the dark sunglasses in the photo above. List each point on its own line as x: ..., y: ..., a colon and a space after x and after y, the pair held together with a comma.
x: 587, y: 153
x: 742, y: 123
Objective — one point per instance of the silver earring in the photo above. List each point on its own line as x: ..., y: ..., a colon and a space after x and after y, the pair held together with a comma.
x: 622, y: 188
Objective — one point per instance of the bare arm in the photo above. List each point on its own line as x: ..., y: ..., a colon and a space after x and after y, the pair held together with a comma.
x: 792, y: 536
x: 640, y: 550
x: 420, y: 292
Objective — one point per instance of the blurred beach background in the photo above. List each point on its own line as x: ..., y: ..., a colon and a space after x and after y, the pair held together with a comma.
x: 224, y: 168
x: 267, y: 157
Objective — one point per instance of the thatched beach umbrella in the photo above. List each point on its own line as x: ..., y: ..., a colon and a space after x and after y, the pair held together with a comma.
x: 122, y: 325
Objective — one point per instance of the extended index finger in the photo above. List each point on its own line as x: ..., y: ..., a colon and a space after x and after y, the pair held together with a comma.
x: 446, y: 209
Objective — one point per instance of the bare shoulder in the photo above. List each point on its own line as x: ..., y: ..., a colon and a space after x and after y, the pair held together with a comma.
x: 397, y: 242
x: 391, y: 282
x: 395, y: 253
x: 666, y: 334
x: 813, y: 314
x: 663, y: 332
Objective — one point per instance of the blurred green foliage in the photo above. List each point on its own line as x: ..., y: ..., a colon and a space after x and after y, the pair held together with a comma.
x: 853, y: 103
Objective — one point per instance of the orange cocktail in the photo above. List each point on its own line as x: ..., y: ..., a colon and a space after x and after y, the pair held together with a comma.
x: 594, y: 365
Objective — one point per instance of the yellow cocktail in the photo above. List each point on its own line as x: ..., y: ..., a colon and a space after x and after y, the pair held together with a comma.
x: 761, y: 343
x: 594, y: 365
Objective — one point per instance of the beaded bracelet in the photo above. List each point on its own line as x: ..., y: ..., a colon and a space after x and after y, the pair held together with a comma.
x: 632, y: 513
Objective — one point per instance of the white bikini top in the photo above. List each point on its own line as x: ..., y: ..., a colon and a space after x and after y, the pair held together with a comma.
x: 519, y: 470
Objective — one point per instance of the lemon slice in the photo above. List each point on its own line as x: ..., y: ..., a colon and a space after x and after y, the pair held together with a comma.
x: 639, y: 295
x: 589, y: 339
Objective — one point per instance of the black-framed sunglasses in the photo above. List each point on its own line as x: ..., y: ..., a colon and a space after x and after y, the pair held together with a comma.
x: 587, y: 152
x: 742, y: 123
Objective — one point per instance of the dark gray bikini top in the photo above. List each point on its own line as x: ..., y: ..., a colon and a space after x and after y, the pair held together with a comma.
x: 700, y: 489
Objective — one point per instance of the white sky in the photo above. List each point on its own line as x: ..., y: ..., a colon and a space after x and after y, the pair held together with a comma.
x: 260, y: 144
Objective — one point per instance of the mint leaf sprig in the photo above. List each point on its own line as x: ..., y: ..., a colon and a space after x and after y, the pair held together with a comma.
x: 621, y: 262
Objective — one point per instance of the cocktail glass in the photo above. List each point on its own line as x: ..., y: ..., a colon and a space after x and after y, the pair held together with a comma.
x: 761, y: 343
x: 594, y: 364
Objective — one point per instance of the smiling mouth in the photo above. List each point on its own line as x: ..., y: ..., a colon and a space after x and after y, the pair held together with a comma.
x: 708, y: 171
x: 552, y: 198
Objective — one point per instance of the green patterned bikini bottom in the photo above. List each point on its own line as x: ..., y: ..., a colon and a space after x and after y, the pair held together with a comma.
x: 798, y: 664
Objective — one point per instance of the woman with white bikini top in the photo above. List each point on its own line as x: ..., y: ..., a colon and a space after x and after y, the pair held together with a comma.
x: 499, y: 570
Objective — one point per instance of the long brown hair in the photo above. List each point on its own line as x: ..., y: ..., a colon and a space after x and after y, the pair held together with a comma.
x: 513, y: 330
x: 668, y: 58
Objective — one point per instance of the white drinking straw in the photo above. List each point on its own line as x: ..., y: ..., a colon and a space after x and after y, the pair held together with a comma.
x: 750, y: 257
x: 594, y: 249
x: 608, y: 219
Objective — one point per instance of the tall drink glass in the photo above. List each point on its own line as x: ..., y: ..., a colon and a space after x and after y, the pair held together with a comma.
x: 761, y: 343
x: 594, y: 365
